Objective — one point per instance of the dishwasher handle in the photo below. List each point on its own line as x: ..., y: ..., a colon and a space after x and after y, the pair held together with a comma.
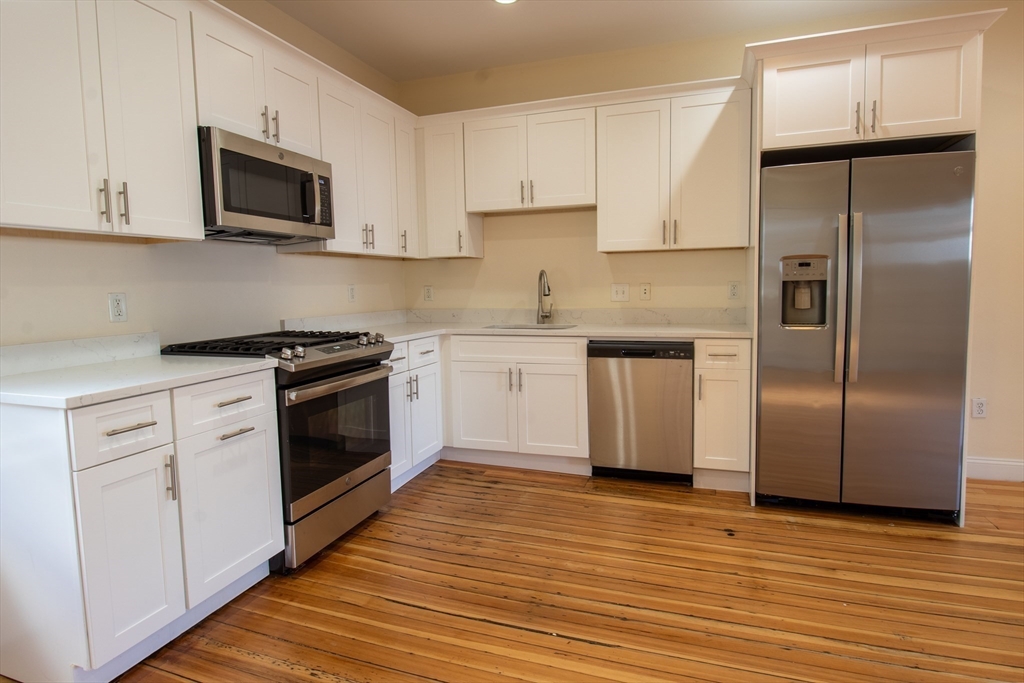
x: 637, y: 353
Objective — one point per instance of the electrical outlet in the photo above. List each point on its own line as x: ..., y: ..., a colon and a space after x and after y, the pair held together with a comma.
x: 117, y: 302
x: 351, y: 293
x: 645, y: 291
x: 428, y: 293
x: 979, y: 407
x: 620, y: 292
x: 734, y: 289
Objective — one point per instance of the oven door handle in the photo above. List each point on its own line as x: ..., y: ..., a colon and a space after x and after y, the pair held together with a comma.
x: 334, y: 385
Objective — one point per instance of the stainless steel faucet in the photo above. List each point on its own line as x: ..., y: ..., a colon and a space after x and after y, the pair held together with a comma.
x: 543, y: 290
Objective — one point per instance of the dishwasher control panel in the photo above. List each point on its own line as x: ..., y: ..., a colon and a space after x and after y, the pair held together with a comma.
x: 641, y: 349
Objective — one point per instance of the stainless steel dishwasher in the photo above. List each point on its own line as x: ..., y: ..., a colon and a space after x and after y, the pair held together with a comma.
x: 641, y: 406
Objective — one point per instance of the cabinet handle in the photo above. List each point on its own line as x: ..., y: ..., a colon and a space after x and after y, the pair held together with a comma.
x: 133, y: 428
x: 173, y: 488
x: 520, y: 380
x: 408, y: 389
x: 664, y: 232
x: 416, y: 381
x: 373, y: 237
x: 277, y: 126
x: 531, y: 192
x: 366, y: 235
x: 127, y: 216
x: 874, y: 114
x: 105, y: 212
x: 395, y: 360
x: 722, y: 355
x: 857, y: 123
x: 404, y: 249
x: 237, y: 432
x: 675, y: 231
x: 233, y: 401
x: 700, y: 387
x: 511, y: 386
x: 266, y: 122
x: 424, y: 353
x: 522, y: 192
x: 460, y: 241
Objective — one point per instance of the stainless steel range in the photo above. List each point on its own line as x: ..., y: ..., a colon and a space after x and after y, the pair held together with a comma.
x: 332, y: 403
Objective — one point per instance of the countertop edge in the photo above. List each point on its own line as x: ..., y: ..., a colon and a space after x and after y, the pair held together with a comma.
x: 688, y: 335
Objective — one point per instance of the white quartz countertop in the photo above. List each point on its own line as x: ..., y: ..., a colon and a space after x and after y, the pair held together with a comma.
x: 408, y: 331
x: 85, y: 385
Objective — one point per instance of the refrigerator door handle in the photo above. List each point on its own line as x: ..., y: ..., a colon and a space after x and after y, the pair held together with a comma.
x: 841, y: 294
x: 856, y: 283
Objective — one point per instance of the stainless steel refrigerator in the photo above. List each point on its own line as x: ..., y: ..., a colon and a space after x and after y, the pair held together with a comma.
x: 865, y: 272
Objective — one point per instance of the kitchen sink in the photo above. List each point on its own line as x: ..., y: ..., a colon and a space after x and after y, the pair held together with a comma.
x: 529, y: 326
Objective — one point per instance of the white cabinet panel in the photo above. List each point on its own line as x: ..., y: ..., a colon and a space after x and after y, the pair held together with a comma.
x: 561, y: 158
x: 210, y: 405
x: 731, y: 354
x: 450, y: 233
x: 922, y: 86
x: 484, y: 406
x: 399, y: 397
x: 149, y: 103
x: 52, y: 147
x: 131, y: 551
x: 291, y: 85
x: 424, y: 352
x: 495, y: 152
x: 107, y: 431
x: 340, y: 146
x: 721, y: 420
x: 405, y: 189
x: 380, y: 208
x: 633, y: 176
x: 425, y: 412
x: 230, y: 493
x: 563, y: 350
x: 711, y: 171
x: 814, y: 98
x: 230, y: 89
x: 553, y: 409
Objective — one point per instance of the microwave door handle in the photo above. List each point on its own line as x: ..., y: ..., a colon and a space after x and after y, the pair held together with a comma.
x: 316, y: 199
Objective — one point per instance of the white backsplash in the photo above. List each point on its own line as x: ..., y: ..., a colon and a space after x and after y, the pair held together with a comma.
x: 357, y: 322
x: 21, y: 358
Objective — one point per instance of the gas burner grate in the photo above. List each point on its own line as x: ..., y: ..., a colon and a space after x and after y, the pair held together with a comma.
x: 257, y: 345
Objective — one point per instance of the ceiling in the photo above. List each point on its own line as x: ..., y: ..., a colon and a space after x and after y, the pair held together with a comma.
x: 412, y: 39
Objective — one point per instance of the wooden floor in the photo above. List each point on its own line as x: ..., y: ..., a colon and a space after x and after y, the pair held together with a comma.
x: 480, y: 574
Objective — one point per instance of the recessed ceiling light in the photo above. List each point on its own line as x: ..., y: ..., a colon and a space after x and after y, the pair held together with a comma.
x: 504, y: 2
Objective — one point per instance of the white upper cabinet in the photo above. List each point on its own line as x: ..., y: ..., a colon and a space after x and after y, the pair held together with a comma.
x: 922, y: 86
x: 380, y: 203
x: 450, y: 232
x: 97, y: 128
x: 247, y: 87
x: 405, y: 188
x: 919, y: 86
x: 711, y: 170
x: 341, y: 148
x: 633, y: 179
x: 540, y: 160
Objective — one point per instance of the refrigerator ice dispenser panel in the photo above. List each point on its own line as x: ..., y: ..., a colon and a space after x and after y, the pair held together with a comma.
x: 804, y: 290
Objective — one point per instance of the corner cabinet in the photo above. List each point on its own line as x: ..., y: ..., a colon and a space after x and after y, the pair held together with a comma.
x: 721, y: 405
x: 99, y: 100
x: 674, y: 174
x: 919, y: 86
x: 450, y: 231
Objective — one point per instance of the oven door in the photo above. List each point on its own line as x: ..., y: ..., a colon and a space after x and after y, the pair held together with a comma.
x: 335, y: 434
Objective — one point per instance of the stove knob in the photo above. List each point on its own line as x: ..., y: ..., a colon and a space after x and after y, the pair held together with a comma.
x: 286, y: 353
x: 300, y: 351
x: 362, y: 340
x: 380, y: 338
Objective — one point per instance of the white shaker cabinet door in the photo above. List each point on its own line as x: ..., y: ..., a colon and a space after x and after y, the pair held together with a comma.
x: 399, y: 398
x: 814, y: 98
x: 484, y: 406
x: 131, y: 550
x: 53, y: 157
x: 450, y: 232
x: 633, y: 201
x: 380, y: 206
x: 496, y: 164
x: 427, y: 428
x: 341, y: 147
x: 230, y: 494
x: 553, y: 409
x: 149, y: 103
x: 291, y: 85
x: 405, y: 189
x: 230, y: 90
x: 711, y: 171
x: 922, y: 86
x: 721, y: 420
x: 562, y: 166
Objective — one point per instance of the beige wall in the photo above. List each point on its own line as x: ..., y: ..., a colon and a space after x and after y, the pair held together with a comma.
x: 56, y: 287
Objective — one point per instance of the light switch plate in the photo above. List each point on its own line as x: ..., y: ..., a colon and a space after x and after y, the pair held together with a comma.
x: 620, y: 292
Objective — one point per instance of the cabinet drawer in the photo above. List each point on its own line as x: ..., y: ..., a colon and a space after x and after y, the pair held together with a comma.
x: 400, y: 358
x: 571, y: 350
x: 423, y: 352
x: 210, y: 405
x: 722, y: 353
x: 109, y: 431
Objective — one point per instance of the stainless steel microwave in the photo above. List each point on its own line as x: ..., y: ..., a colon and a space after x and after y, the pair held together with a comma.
x: 258, y: 193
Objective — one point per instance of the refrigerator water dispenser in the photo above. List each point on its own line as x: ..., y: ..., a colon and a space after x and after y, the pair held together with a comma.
x: 804, y: 290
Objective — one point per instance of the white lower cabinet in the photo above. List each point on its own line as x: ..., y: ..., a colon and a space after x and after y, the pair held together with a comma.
x: 230, y: 495
x: 484, y: 406
x: 131, y: 550
x: 552, y: 409
x: 399, y: 396
x: 425, y: 412
x: 417, y: 426
x: 721, y: 405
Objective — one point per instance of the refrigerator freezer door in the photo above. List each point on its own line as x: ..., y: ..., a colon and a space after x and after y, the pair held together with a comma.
x: 800, y: 416
x: 905, y: 408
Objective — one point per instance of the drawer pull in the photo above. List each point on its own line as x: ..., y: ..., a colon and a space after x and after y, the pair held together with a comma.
x: 125, y: 430
x: 234, y: 401
x: 231, y: 435
x: 423, y: 353
x: 722, y: 355
x: 395, y: 360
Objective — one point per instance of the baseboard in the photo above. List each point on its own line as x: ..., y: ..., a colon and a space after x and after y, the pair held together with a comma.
x: 544, y: 463
x: 413, y: 472
x: 994, y: 468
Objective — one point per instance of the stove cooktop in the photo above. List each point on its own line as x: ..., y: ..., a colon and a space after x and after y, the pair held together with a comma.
x: 258, y: 345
